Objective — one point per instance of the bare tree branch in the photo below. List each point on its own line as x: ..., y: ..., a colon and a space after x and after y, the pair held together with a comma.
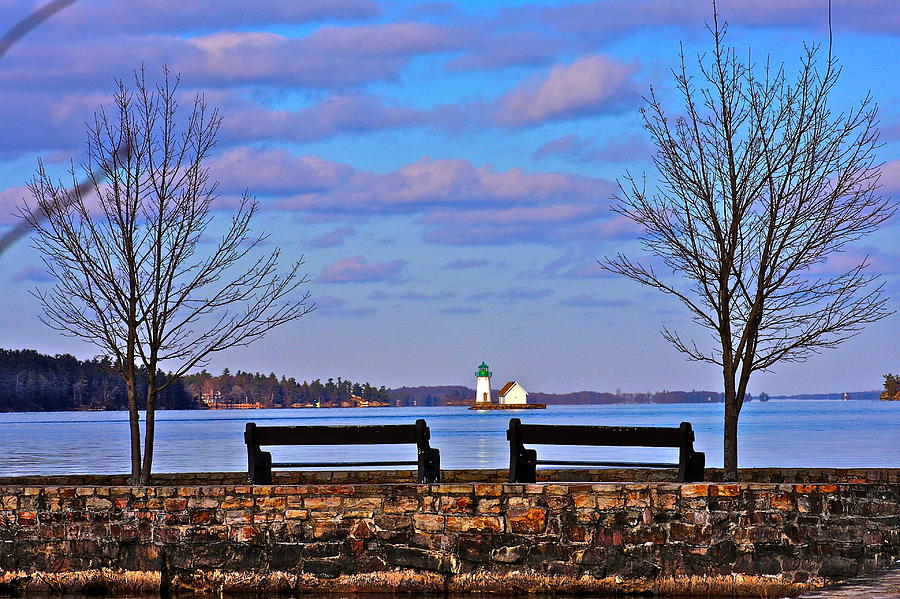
x: 760, y: 184
x: 130, y: 274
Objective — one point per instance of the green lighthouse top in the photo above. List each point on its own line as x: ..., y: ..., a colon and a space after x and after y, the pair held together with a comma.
x: 483, y: 370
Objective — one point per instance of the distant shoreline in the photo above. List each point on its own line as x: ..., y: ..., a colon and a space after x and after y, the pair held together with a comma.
x: 307, y: 408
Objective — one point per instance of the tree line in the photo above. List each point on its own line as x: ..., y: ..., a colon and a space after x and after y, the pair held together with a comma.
x: 272, y: 392
x: 34, y: 382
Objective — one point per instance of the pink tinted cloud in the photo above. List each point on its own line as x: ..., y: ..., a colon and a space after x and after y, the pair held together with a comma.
x: 588, y: 300
x: 356, y: 269
x: 45, y: 120
x: 890, y: 177
x: 108, y: 16
x: 879, y: 262
x: 332, y: 238
x: 276, y: 172
x: 335, y: 115
x: 526, y: 48
x: 521, y: 215
x: 459, y: 203
x: 411, y: 296
x: 584, y: 150
x: 591, y: 270
x: 10, y: 201
x: 462, y: 263
x: 329, y: 302
x: 460, y: 310
x: 590, y: 85
x: 332, y: 57
x: 35, y: 274
x: 311, y: 184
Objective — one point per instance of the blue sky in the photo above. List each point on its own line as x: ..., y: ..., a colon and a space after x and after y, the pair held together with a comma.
x: 444, y: 167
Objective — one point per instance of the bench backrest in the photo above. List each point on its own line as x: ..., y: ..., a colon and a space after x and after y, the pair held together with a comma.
x: 338, y: 435
x: 619, y: 436
x: 523, y: 461
x: 260, y: 464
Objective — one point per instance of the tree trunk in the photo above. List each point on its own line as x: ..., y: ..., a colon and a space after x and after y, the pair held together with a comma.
x: 149, y: 428
x: 135, y: 427
x: 732, y: 410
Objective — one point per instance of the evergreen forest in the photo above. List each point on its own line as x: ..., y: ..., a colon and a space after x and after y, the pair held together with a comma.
x: 34, y: 382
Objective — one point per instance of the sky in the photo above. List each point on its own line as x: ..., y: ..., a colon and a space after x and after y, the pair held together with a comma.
x: 444, y: 168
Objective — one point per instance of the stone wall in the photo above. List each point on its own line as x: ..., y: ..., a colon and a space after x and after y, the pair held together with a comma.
x: 315, y: 477
x: 659, y: 536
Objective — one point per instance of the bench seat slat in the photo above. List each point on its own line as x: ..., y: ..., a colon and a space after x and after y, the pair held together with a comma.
x: 539, y: 434
x: 616, y: 464
x: 329, y: 464
x: 336, y: 435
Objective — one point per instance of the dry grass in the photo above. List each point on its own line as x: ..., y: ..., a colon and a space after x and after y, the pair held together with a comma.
x: 284, y: 584
x: 85, y: 582
x: 734, y: 585
x: 694, y: 586
x: 272, y: 584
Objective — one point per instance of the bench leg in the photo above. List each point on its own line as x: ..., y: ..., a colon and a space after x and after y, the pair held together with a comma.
x: 430, y: 466
x: 523, y: 466
x: 695, y: 468
x: 259, y: 470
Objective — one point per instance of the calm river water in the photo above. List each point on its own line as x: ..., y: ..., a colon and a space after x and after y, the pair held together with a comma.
x: 784, y: 433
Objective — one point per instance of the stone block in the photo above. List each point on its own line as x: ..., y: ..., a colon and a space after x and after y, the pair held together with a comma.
x: 429, y: 522
x: 322, y: 503
x: 509, y: 554
x: 421, y: 559
x: 694, y: 490
x: 482, y: 490
x: 474, y: 524
x: 584, y: 500
x: 557, y: 503
x: 400, y: 505
x: 271, y: 503
x: 724, y: 490
x: 363, y: 503
x: 526, y: 520
x: 321, y: 568
x: 488, y: 506
x: 437, y: 541
x: 456, y: 505
x: 447, y: 489
x: 392, y: 522
x: 231, y: 502
x: 782, y: 502
x: 473, y: 548
x: 610, y: 501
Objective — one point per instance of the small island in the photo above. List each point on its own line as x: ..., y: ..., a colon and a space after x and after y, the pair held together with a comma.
x: 512, y: 396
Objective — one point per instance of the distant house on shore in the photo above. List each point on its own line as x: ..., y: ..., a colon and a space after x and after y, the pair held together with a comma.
x: 513, y: 393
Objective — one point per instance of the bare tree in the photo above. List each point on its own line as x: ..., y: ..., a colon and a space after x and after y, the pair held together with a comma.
x: 760, y: 183
x: 131, y: 274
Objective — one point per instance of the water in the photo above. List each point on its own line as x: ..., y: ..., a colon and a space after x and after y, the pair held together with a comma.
x: 785, y: 433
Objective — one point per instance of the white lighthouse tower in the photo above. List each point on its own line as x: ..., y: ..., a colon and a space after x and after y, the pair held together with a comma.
x: 483, y: 385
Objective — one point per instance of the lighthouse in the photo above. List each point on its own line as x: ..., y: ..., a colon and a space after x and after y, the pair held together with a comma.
x: 483, y: 385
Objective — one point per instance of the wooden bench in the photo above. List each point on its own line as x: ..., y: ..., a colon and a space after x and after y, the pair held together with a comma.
x: 260, y: 464
x: 523, y: 462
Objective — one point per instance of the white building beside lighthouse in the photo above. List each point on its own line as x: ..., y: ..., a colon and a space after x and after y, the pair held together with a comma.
x: 483, y: 385
x: 513, y: 394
